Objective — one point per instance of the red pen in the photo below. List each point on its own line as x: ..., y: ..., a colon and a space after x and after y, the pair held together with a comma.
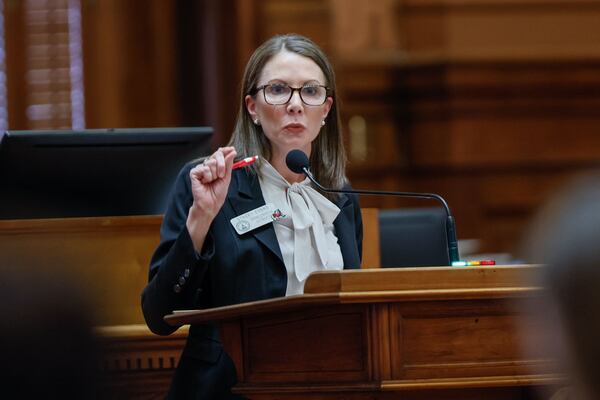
x: 245, y: 162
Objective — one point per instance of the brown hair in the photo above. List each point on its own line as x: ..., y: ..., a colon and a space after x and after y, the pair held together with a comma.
x: 327, y: 159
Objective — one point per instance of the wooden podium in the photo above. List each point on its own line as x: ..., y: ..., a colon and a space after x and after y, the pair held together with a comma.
x: 411, y: 333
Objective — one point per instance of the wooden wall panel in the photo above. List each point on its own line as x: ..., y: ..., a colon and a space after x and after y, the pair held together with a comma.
x: 499, y: 29
x: 209, y: 65
x: 307, y: 17
x: 108, y: 256
x: 130, y: 57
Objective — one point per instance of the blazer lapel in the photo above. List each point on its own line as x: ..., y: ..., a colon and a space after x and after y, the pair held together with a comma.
x: 246, y: 196
x: 345, y: 230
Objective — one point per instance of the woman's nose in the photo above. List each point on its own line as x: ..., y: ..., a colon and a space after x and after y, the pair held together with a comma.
x: 295, y: 104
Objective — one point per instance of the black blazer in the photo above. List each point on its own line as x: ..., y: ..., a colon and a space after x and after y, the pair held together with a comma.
x: 230, y: 269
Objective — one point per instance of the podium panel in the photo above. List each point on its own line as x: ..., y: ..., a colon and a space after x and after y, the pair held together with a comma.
x: 325, y: 354
x: 458, y: 339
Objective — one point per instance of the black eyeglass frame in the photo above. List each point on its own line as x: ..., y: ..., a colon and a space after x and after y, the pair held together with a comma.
x: 299, y: 89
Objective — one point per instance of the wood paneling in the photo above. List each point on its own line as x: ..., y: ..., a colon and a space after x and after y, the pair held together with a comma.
x: 269, y: 358
x: 458, y: 341
x: 308, y: 17
x: 496, y: 29
x: 130, y: 56
x: 109, y: 256
x: 494, y: 139
x: 370, y: 248
x: 208, y: 64
x: 494, y: 130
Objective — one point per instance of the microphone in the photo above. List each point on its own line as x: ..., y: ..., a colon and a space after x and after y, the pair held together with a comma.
x: 298, y: 162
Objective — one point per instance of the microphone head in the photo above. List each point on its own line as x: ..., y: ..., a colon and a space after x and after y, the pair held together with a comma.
x: 296, y: 161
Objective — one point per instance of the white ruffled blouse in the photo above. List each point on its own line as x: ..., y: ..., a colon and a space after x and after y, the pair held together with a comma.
x: 305, y: 231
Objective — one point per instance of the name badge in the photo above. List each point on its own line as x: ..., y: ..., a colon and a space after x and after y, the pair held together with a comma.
x: 256, y: 218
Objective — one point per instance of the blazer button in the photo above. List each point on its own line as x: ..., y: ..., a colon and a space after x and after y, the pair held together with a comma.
x: 177, y: 288
x: 181, y: 280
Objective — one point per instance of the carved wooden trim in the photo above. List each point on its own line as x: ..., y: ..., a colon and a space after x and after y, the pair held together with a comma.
x: 128, y: 348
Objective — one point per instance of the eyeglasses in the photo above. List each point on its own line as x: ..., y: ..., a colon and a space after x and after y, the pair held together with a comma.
x: 280, y: 93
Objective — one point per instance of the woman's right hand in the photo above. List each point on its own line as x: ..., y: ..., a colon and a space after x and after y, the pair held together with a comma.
x: 210, y: 183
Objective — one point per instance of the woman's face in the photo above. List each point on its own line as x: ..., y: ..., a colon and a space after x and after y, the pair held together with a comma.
x: 293, y: 125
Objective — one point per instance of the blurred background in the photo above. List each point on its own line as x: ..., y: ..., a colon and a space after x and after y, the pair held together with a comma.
x: 491, y: 103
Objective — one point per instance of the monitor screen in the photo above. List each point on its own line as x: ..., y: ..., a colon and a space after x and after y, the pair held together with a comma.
x: 95, y: 172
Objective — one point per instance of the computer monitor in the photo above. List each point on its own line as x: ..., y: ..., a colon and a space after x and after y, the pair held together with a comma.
x: 413, y: 237
x: 95, y: 172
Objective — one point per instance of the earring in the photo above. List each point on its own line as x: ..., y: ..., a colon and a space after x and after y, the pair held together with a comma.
x: 323, y: 123
x: 256, y: 122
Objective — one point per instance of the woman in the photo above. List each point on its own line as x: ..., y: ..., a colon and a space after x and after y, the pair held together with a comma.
x: 207, y: 259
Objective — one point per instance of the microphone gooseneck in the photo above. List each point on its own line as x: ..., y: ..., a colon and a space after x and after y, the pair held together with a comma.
x: 298, y: 162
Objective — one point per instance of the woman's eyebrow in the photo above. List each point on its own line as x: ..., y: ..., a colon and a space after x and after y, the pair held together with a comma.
x: 307, y: 82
